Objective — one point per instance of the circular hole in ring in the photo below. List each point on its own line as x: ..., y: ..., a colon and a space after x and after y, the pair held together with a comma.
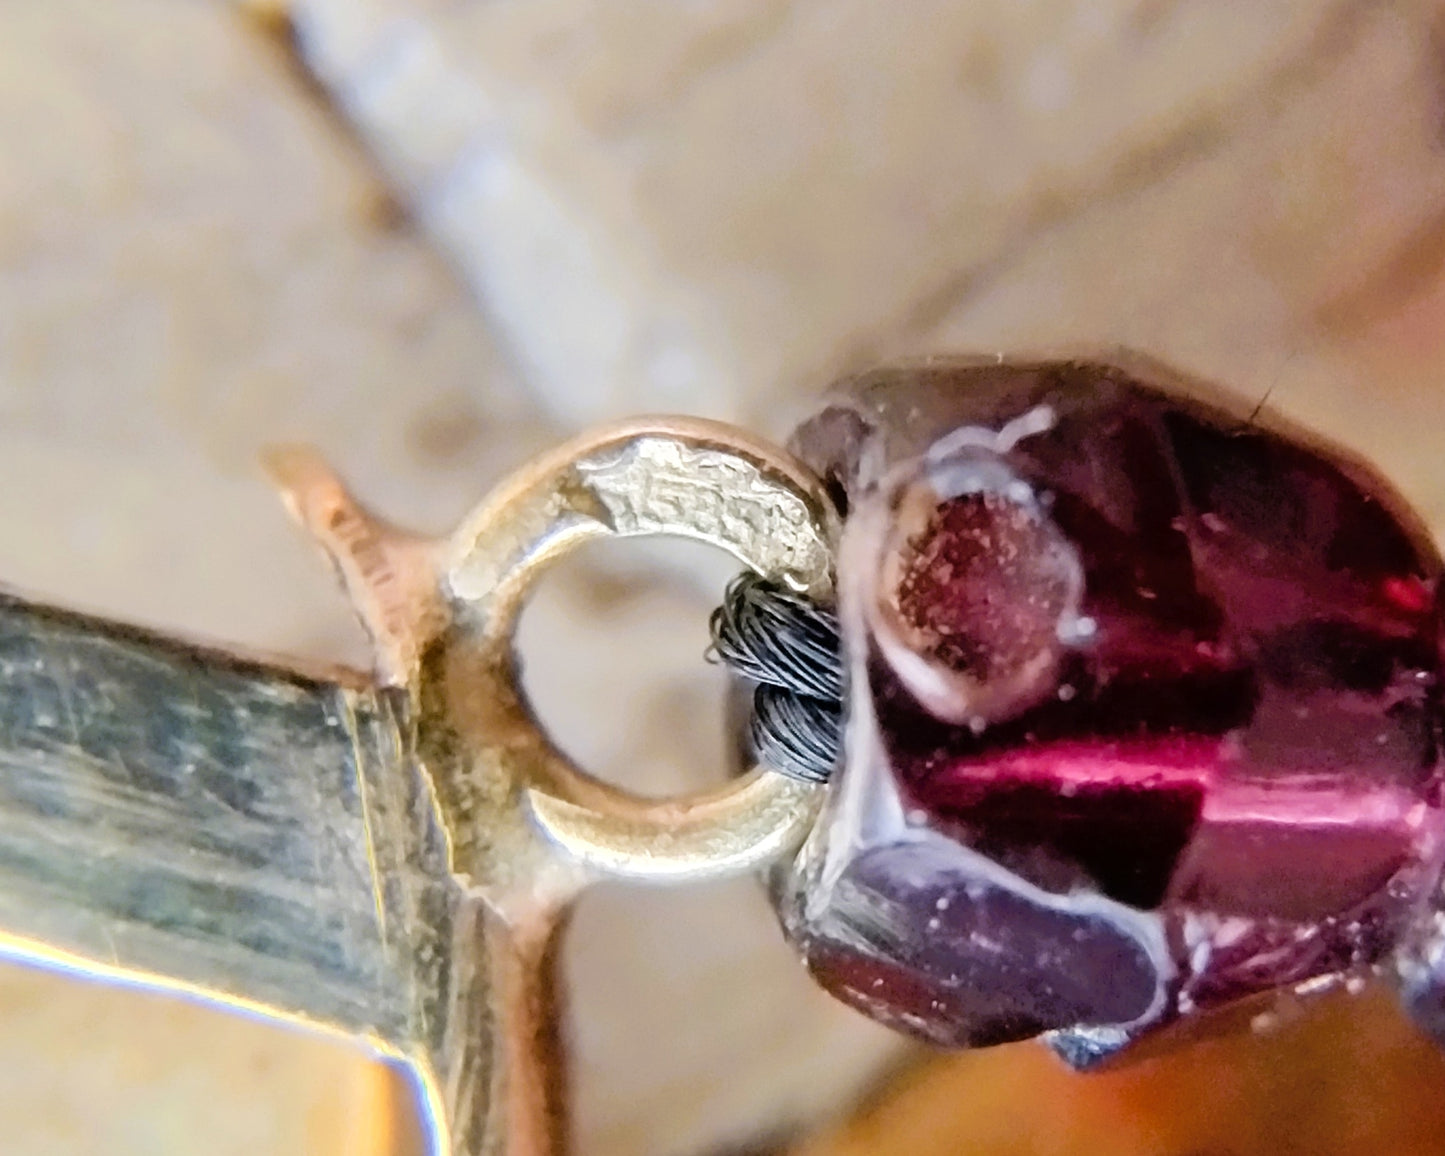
x: 613, y: 648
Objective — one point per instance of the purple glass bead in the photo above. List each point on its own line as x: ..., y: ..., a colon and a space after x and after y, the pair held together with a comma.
x: 1142, y: 712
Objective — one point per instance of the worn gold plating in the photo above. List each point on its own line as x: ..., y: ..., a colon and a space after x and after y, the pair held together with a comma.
x: 525, y: 830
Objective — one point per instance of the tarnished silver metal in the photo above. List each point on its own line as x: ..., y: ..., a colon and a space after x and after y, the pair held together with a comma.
x: 386, y: 858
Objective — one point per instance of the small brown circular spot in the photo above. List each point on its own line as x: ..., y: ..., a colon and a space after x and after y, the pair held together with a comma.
x: 975, y: 596
x: 980, y: 587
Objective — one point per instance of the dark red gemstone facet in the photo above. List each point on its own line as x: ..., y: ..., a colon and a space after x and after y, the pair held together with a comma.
x: 1142, y: 709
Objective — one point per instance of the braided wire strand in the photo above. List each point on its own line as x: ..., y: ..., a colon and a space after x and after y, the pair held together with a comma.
x: 795, y: 734
x: 789, y: 648
x: 774, y: 636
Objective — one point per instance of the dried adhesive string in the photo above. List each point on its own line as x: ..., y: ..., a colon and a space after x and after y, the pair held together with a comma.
x: 788, y: 647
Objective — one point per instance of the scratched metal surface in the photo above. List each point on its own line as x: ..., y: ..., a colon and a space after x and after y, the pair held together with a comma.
x: 179, y: 813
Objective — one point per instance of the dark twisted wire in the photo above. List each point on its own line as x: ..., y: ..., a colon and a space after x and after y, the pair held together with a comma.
x: 789, y: 647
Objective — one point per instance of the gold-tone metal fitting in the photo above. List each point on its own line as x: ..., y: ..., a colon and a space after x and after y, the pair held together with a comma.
x: 524, y: 822
x: 525, y: 828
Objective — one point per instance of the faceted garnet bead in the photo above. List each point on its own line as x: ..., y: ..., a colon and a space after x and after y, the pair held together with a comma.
x: 1142, y: 711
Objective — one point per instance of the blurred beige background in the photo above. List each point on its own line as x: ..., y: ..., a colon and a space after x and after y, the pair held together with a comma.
x: 432, y: 236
